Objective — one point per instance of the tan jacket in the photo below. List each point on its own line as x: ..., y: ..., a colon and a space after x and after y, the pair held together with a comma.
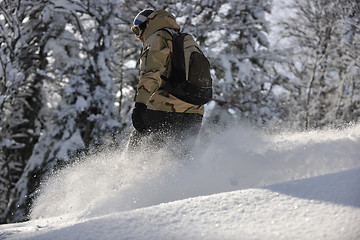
x: 155, y: 61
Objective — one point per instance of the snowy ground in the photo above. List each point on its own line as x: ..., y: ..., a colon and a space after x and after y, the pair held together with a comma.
x: 246, y: 184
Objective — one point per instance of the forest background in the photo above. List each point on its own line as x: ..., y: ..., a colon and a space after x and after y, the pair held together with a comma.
x: 68, y: 70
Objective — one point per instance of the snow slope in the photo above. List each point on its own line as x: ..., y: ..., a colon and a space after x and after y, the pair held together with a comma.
x: 246, y: 184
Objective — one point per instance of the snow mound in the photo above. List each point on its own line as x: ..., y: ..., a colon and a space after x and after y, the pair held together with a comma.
x: 324, y: 207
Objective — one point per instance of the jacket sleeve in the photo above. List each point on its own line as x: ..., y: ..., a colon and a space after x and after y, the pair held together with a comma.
x: 153, y: 64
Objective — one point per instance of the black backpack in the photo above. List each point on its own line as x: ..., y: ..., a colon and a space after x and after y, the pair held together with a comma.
x: 190, y: 78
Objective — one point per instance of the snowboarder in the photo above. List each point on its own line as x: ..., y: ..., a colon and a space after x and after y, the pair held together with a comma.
x: 159, y: 115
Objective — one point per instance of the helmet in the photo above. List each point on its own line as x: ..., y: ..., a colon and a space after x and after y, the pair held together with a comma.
x: 142, y: 16
x: 140, y: 22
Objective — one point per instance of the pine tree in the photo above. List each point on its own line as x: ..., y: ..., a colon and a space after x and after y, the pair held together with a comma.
x: 24, y: 36
x: 241, y: 50
x: 77, y: 109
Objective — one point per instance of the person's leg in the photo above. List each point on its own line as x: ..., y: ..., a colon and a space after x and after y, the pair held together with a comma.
x: 186, y: 132
x: 176, y: 132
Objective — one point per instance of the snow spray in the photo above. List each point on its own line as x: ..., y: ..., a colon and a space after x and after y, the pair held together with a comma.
x: 240, y: 158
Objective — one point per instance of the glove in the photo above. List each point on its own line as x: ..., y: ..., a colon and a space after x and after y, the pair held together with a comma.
x: 138, y: 116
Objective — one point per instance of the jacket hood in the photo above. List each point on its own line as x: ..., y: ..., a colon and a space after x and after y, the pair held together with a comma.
x: 158, y: 20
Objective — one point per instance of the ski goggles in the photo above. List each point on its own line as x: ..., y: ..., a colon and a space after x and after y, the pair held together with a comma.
x: 138, y: 29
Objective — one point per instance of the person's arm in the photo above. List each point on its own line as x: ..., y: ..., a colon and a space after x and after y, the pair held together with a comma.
x: 153, y: 64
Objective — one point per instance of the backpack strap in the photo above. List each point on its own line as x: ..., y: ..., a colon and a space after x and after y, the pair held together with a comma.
x: 178, y: 59
x: 172, y: 32
x: 178, y: 63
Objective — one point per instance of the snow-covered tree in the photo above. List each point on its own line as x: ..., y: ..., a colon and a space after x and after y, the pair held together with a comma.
x: 242, y: 83
x: 348, y: 106
x: 72, y: 54
x: 323, y: 61
x: 23, y: 37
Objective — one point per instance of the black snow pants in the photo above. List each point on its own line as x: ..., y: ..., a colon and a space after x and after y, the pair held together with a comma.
x: 176, y: 132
